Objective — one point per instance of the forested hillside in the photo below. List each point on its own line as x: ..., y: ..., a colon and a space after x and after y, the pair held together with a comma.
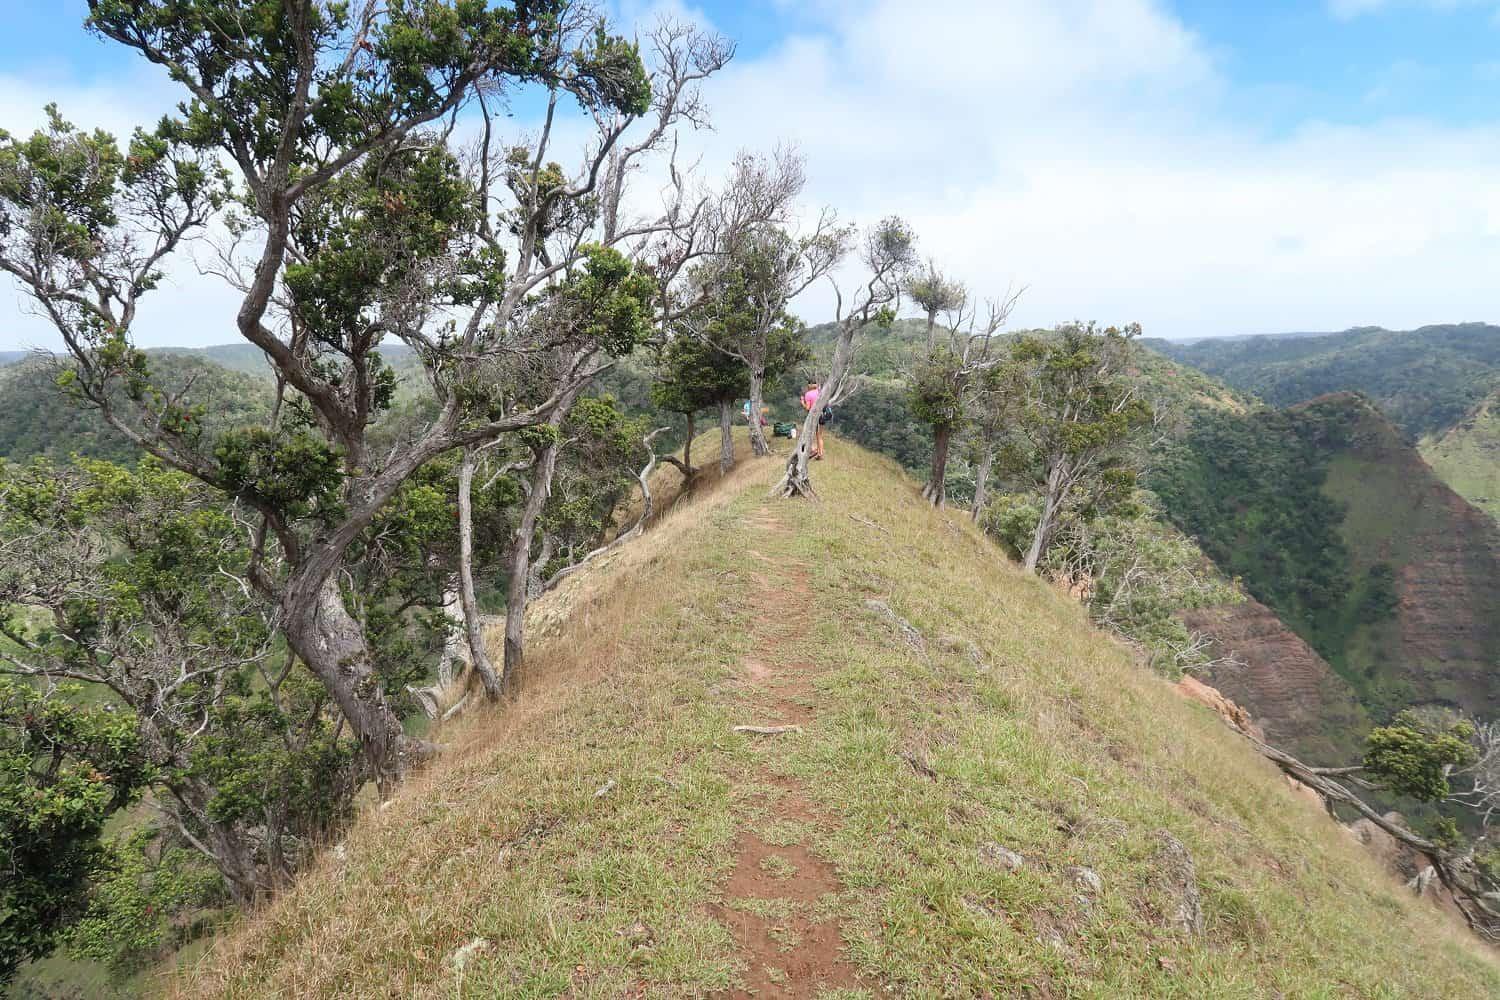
x: 1331, y: 519
x: 1424, y: 380
x: 42, y: 418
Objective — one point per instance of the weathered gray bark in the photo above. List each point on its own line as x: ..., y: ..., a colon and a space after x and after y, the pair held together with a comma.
x: 536, y: 585
x: 684, y: 464
x: 758, y: 446
x: 520, y: 560
x: 222, y: 844
x: 479, y: 654
x: 936, y: 489
x: 456, y: 647
x: 982, y: 482
x: 726, y: 436
x: 643, y: 479
x: 1050, y: 503
x: 797, y: 482
x: 327, y: 638
x: 517, y: 587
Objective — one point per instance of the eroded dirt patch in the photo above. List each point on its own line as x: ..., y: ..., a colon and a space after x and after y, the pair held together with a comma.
x: 780, y: 904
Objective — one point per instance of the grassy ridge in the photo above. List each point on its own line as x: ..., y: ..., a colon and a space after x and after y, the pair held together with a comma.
x: 1467, y: 456
x: 595, y: 839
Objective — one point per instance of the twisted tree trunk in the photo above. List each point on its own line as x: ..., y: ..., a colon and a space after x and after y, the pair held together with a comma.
x: 1050, y: 503
x: 982, y: 482
x: 643, y: 478
x: 726, y: 436
x: 326, y: 637
x: 936, y: 489
x: 479, y: 654
x: 797, y: 482
x: 520, y: 560
x: 758, y: 446
x: 1458, y: 874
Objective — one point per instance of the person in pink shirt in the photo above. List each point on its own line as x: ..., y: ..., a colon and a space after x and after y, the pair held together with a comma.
x: 809, y: 400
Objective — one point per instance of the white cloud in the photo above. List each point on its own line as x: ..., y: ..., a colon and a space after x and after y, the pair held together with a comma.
x: 1079, y: 147
x: 188, y: 309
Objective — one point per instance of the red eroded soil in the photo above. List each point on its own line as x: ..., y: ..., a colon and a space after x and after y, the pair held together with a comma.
x: 777, y: 903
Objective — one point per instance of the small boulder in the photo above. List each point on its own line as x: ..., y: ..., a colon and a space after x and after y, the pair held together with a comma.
x: 1086, y: 879
x: 909, y: 632
x: 1001, y: 857
x: 1179, y: 879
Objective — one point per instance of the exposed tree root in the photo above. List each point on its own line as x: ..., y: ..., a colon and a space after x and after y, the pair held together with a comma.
x: 1458, y: 873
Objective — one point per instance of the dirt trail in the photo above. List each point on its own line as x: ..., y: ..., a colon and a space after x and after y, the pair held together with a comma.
x: 780, y: 900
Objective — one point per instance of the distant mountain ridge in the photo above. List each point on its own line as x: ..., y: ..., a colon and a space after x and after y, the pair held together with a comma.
x: 1424, y: 380
x: 42, y: 420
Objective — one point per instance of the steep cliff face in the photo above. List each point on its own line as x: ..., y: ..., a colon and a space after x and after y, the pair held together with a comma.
x: 1441, y: 642
x: 1290, y: 691
x: 1388, y: 582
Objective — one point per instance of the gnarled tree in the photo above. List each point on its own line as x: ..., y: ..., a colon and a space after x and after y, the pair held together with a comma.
x: 944, y: 383
x: 887, y: 254
x: 1077, y: 409
x: 745, y: 292
x: 320, y: 135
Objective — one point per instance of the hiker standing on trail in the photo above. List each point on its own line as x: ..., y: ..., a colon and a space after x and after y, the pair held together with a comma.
x: 809, y: 400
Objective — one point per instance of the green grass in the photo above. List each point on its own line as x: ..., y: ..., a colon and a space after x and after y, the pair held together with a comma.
x: 1467, y: 457
x: 1059, y: 747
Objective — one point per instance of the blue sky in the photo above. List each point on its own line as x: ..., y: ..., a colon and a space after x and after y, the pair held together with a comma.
x: 1204, y: 168
x: 1287, y: 61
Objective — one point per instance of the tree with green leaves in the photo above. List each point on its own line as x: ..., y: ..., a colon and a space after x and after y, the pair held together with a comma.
x: 317, y: 135
x: 1433, y: 757
x: 126, y: 581
x: 887, y: 254
x: 935, y: 293
x: 608, y: 456
x: 1077, y: 410
x: 64, y: 770
x: 745, y: 291
x: 1133, y: 572
x: 693, y: 376
x: 150, y: 896
x: 943, y: 385
x: 993, y: 438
